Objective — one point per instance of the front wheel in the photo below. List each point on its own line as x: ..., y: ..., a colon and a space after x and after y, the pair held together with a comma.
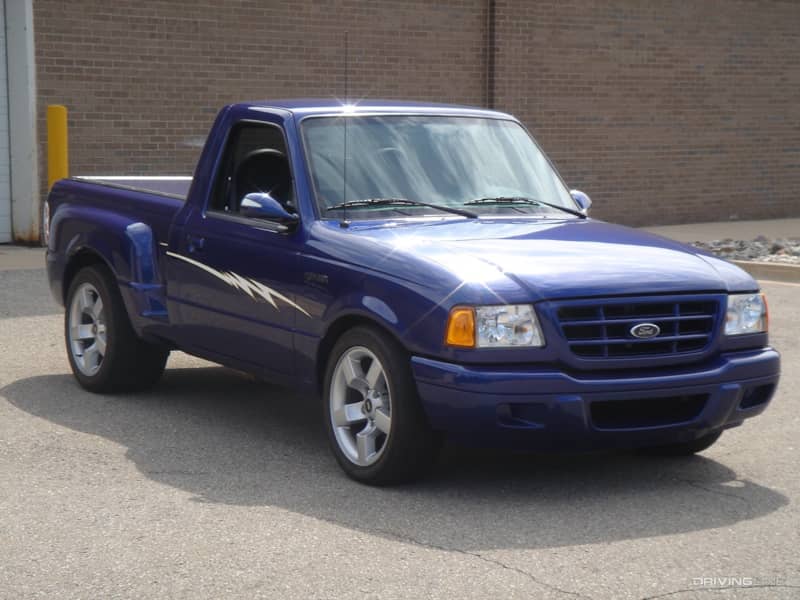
x: 376, y: 426
x: 104, y: 352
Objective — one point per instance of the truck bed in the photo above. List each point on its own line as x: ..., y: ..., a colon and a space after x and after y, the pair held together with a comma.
x: 173, y: 186
x: 124, y: 220
x: 95, y: 203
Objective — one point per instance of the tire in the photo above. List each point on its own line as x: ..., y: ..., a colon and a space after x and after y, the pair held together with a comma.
x: 685, y: 448
x: 104, y: 352
x: 383, y: 436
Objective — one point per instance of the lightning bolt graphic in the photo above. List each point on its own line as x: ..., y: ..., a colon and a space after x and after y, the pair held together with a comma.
x: 251, y: 287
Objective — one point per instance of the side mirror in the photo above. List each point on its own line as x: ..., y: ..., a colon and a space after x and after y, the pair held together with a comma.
x: 261, y: 205
x: 582, y: 200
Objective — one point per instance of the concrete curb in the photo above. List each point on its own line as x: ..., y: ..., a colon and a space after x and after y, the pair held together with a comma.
x: 770, y: 271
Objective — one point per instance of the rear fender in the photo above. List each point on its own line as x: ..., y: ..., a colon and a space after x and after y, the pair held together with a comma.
x: 128, y: 249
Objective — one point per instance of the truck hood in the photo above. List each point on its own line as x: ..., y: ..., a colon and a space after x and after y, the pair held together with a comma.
x: 553, y: 259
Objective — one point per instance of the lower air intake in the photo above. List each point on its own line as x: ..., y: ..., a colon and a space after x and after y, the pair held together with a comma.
x: 646, y: 412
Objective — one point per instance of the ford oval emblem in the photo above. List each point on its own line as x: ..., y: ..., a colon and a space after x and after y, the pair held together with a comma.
x: 645, y: 330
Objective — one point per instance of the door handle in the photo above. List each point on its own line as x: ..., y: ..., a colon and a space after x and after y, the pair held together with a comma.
x: 195, y: 243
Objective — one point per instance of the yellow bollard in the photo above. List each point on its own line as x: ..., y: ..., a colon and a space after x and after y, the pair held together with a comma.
x: 57, y: 149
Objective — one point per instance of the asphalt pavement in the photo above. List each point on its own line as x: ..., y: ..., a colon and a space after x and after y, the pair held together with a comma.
x: 214, y: 485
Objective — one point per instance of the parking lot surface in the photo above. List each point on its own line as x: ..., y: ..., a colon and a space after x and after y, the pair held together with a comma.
x: 214, y: 485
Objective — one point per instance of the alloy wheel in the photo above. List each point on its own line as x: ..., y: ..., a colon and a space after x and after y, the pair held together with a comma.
x: 87, y: 329
x: 360, y: 406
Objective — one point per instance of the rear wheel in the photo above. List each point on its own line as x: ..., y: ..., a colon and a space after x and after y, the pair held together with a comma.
x: 685, y: 448
x: 376, y: 426
x: 104, y: 352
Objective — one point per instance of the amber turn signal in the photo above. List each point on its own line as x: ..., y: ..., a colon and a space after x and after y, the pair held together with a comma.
x: 461, y: 328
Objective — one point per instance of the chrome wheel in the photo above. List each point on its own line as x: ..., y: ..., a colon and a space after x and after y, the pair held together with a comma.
x: 360, y: 406
x: 87, y: 329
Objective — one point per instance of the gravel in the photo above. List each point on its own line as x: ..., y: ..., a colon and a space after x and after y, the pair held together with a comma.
x: 760, y: 249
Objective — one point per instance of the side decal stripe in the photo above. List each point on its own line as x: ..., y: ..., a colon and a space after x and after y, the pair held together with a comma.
x: 251, y: 287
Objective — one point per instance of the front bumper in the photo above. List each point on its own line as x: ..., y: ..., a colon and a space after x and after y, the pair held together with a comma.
x: 544, y: 408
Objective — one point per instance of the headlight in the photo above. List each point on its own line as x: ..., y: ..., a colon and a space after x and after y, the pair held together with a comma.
x: 494, y: 327
x: 746, y: 313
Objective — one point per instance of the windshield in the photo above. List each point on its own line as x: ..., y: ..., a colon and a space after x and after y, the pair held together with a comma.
x: 450, y: 161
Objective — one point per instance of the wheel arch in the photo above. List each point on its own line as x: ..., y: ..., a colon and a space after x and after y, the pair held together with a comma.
x: 339, y: 327
x: 85, y: 257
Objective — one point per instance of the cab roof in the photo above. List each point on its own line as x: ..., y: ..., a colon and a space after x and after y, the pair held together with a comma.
x: 331, y: 106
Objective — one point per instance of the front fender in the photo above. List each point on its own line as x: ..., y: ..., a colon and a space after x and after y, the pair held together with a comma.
x: 395, y: 305
x: 350, y: 296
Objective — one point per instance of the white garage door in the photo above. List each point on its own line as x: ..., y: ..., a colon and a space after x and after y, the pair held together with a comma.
x: 5, y: 178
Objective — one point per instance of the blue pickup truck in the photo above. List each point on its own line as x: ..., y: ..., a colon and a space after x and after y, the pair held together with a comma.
x: 423, y: 270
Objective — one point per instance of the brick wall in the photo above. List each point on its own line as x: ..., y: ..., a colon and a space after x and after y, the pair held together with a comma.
x: 144, y: 79
x: 663, y: 111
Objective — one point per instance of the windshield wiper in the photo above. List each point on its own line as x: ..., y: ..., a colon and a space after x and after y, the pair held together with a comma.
x: 401, y: 202
x: 522, y: 200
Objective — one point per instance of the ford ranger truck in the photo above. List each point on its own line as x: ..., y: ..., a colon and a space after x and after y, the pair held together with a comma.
x: 425, y: 272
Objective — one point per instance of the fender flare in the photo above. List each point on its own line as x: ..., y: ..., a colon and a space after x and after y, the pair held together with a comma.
x: 126, y: 246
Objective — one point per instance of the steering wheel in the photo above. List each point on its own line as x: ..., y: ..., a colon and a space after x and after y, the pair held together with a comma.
x: 264, y: 170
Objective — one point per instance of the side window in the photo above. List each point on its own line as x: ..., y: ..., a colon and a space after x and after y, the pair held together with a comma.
x: 254, y: 160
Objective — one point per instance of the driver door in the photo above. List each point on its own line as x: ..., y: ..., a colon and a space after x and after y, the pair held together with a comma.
x: 233, y: 277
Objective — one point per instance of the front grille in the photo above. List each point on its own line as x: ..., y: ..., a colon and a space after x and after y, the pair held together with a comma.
x: 602, y: 329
